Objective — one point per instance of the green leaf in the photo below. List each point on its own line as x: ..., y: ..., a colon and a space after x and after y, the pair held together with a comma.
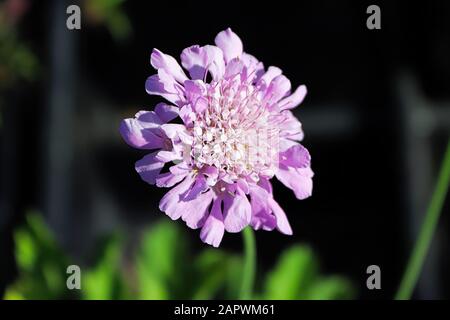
x: 234, y: 277
x: 211, y: 267
x: 104, y: 280
x: 291, y: 278
x: 162, y: 262
x: 150, y: 286
x: 41, y: 233
x: 13, y: 294
x: 41, y: 263
x: 331, y: 288
x: 118, y: 25
x: 26, y: 251
x: 111, y: 14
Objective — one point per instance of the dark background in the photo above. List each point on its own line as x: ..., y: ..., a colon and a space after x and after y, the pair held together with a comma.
x: 376, y: 120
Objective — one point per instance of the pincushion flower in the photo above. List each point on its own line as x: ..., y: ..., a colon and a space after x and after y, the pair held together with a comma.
x: 226, y: 129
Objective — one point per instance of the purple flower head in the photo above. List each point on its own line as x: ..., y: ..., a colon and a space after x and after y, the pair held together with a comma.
x: 235, y: 132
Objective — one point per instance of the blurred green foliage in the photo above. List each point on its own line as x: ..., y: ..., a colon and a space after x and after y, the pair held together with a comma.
x: 104, y: 280
x: 41, y: 263
x: 167, y: 270
x: 16, y: 59
x: 296, y: 276
x: 110, y: 14
x: 162, y: 266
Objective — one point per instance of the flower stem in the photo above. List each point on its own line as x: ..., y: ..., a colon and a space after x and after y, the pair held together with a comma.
x: 248, y: 277
x: 422, y: 245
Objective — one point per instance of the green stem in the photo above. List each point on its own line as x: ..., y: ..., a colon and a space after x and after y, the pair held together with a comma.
x: 422, y: 245
x: 248, y: 276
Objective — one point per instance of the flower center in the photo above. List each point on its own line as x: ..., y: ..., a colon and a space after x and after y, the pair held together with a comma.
x: 235, y: 132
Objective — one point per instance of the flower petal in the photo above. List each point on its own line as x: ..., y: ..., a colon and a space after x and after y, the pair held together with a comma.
x: 290, y: 127
x: 176, y: 174
x: 198, y: 187
x: 266, y: 185
x: 187, y: 114
x: 137, y: 137
x: 281, y: 220
x: 172, y: 130
x: 294, y: 99
x: 194, y: 89
x: 237, y: 211
x: 166, y: 112
x: 171, y: 202
x: 278, y: 88
x: 167, y: 156
x: 233, y: 68
x: 243, y: 185
x: 211, y: 173
x: 267, y: 78
x: 142, y: 131
x: 297, y: 179
x: 180, y: 169
x: 199, y: 60
x: 164, y: 85
x: 296, y: 156
x: 200, y: 105
x: 261, y: 212
x: 213, y: 229
x: 168, y: 179
x: 149, y: 119
x: 195, y: 212
x: 255, y: 68
x: 230, y: 44
x: 149, y: 168
x: 160, y: 60
x: 195, y: 94
x: 177, y: 132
